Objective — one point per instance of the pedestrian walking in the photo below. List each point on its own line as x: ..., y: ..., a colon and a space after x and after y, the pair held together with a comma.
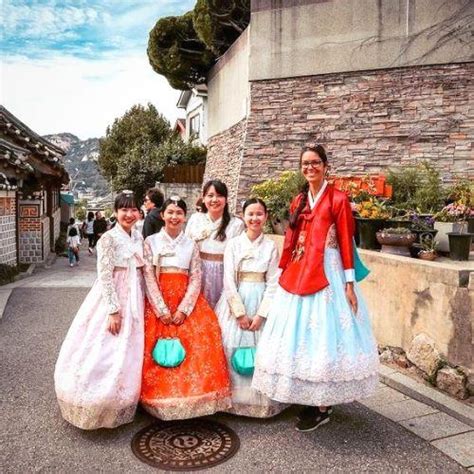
x: 153, y: 221
x: 98, y: 372
x: 100, y: 226
x: 89, y: 231
x: 211, y: 229
x: 73, y: 243
x: 317, y: 348
x: 250, y: 279
x: 185, y: 371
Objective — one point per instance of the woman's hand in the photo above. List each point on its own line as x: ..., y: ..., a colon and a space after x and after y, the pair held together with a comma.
x: 114, y: 323
x: 351, y: 296
x: 178, y: 318
x: 256, y: 324
x: 166, y: 318
x: 244, y: 322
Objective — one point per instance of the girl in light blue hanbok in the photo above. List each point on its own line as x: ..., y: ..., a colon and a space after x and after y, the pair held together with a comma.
x: 317, y: 347
x: 250, y: 279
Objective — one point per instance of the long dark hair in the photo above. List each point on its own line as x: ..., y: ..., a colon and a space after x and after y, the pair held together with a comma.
x: 222, y: 190
x: 321, y: 152
x: 90, y: 216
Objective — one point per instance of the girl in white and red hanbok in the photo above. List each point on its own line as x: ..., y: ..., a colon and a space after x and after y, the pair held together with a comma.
x: 211, y: 229
x: 250, y: 279
x: 317, y: 348
x: 98, y: 373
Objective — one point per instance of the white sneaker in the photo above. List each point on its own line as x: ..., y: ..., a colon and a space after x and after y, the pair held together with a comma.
x: 71, y: 264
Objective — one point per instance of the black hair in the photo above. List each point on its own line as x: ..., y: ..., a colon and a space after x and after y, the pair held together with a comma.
x: 222, y: 190
x: 156, y: 197
x: 72, y: 221
x: 255, y: 200
x: 125, y: 199
x: 177, y: 202
x: 321, y: 152
x: 72, y: 232
x: 90, y: 215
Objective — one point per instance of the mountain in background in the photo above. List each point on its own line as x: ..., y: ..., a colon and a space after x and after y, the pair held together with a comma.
x: 81, y: 162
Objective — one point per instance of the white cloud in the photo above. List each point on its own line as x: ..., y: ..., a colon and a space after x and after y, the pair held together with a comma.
x: 81, y: 96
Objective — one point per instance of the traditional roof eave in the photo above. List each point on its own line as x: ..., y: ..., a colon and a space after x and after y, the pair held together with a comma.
x: 15, y: 158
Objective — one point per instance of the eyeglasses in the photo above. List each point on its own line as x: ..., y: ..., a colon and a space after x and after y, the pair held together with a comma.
x: 311, y: 164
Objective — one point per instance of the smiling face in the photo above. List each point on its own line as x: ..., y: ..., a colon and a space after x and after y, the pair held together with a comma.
x: 174, y: 218
x: 214, y: 201
x: 313, y: 167
x: 255, y: 217
x: 127, y: 216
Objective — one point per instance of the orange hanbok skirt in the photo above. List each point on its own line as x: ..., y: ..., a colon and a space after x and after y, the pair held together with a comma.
x: 201, y: 384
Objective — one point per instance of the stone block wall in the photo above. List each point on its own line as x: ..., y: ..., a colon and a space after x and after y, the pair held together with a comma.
x: 224, y: 158
x: 189, y: 192
x: 34, y: 233
x: 8, y: 250
x: 367, y: 121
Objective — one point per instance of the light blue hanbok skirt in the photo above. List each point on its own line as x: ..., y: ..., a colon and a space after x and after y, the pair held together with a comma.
x: 245, y: 400
x: 313, y: 350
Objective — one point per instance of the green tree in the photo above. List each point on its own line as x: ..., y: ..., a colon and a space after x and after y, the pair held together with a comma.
x: 175, y: 151
x: 218, y: 23
x: 129, y: 156
x: 176, y: 52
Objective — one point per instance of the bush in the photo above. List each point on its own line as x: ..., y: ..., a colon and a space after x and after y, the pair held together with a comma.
x: 7, y: 273
x: 60, y: 244
x: 417, y: 188
x: 278, y: 193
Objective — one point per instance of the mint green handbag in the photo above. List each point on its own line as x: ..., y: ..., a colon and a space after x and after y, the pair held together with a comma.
x: 243, y: 358
x: 169, y: 352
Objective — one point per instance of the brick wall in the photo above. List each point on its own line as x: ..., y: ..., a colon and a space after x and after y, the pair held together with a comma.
x: 224, y: 158
x: 8, y: 249
x: 366, y: 120
x: 34, y: 244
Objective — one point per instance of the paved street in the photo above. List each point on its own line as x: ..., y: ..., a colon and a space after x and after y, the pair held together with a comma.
x: 35, y: 438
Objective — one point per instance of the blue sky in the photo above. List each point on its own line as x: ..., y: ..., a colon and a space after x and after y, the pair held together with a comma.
x: 83, y: 56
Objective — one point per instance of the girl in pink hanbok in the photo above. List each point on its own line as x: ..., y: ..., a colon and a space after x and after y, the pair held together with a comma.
x: 98, y: 372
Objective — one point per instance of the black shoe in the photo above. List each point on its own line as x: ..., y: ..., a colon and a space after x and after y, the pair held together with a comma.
x: 309, y: 411
x: 313, y: 421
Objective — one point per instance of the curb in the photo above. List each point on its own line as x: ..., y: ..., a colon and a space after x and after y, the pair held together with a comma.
x: 427, y: 395
x: 4, y: 296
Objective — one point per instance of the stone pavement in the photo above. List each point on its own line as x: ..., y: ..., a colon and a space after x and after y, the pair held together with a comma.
x: 389, y: 432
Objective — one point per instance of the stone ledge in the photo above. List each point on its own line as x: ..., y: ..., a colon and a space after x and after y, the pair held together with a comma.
x: 425, y: 394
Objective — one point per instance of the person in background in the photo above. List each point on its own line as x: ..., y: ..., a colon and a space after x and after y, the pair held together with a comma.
x: 140, y: 222
x: 73, y: 243
x: 100, y: 226
x: 153, y: 222
x: 88, y: 227
x: 72, y: 223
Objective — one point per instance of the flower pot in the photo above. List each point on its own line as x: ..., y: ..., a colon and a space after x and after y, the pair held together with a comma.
x: 367, y: 230
x: 459, y: 245
x: 396, y: 244
x: 443, y: 229
x: 420, y: 234
x: 429, y: 255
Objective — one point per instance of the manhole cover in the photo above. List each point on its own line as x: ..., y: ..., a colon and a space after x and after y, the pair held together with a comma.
x: 185, y: 445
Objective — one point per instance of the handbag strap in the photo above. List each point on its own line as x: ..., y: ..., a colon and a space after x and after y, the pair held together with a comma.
x: 242, y: 335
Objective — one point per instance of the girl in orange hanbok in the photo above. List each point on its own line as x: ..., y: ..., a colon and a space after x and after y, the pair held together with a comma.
x: 176, y: 309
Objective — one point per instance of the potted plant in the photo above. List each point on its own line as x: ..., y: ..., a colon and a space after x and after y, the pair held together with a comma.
x: 452, y: 219
x: 396, y: 240
x: 371, y: 217
x: 422, y: 226
x: 428, y: 246
x: 277, y: 194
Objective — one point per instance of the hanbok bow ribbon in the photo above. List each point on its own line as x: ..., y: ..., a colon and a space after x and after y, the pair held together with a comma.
x: 158, y: 256
x: 135, y: 260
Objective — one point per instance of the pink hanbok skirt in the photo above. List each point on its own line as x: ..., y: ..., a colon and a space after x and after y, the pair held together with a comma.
x: 98, y: 375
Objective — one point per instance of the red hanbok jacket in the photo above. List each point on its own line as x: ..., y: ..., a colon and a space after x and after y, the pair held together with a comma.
x: 305, y: 275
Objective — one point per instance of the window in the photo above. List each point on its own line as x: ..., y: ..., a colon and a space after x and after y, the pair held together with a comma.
x: 194, y: 125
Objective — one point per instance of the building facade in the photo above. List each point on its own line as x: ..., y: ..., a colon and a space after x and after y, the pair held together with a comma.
x: 30, y: 182
x: 378, y: 83
x: 194, y: 104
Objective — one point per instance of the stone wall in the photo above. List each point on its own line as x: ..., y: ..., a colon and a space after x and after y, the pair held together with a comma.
x: 57, y: 225
x: 367, y: 122
x: 8, y: 250
x: 189, y: 192
x: 34, y: 233
x: 224, y: 158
